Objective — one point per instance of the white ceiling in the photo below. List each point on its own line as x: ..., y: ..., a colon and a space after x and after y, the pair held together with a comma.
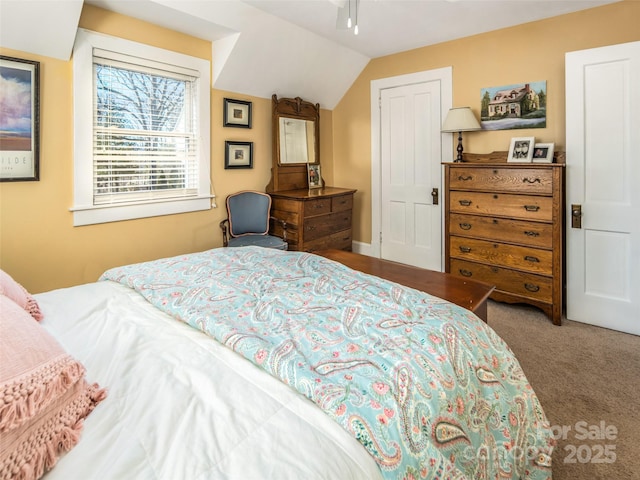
x: 288, y: 47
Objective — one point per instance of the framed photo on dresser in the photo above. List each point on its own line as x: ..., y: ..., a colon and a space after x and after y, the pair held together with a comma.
x: 521, y: 149
x: 315, y: 179
x: 543, y: 153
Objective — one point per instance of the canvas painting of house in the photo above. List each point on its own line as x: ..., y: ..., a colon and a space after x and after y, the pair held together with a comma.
x: 514, y: 106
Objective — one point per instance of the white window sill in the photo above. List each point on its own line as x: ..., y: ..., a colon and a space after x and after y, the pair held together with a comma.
x: 90, y: 215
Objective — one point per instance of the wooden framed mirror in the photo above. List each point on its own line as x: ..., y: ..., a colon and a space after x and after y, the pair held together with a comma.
x: 296, y: 142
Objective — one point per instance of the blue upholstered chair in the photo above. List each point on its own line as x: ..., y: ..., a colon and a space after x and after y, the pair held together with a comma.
x: 248, y: 222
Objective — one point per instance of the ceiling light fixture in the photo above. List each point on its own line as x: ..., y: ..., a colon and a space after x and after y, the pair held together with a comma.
x: 348, y: 11
x: 355, y: 29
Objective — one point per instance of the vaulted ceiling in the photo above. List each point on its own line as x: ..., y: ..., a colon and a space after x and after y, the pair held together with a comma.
x: 288, y: 47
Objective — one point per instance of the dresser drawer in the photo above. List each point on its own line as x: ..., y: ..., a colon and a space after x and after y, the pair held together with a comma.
x: 342, y: 203
x: 275, y: 228
x: 528, y: 285
x: 521, y: 180
x: 528, y: 259
x: 317, y: 227
x: 528, y: 207
x: 339, y: 240
x: 319, y: 206
x: 502, y: 229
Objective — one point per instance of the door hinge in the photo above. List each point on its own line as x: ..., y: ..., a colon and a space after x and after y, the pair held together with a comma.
x: 380, y: 237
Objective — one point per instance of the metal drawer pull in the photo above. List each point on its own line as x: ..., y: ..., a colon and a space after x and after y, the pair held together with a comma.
x: 531, y: 287
x: 465, y: 273
x: 311, y: 227
x: 464, y: 249
x: 531, y: 208
x: 465, y: 203
x: 529, y: 258
x: 465, y: 226
x: 464, y: 179
x: 319, y: 205
x: 529, y: 233
x: 535, y: 180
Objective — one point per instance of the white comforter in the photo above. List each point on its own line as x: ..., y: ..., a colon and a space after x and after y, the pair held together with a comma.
x: 182, y: 406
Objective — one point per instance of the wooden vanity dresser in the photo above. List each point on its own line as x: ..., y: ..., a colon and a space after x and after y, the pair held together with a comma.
x: 504, y: 226
x: 317, y: 218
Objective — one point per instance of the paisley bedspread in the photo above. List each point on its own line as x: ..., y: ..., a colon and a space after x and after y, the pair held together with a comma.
x: 428, y: 389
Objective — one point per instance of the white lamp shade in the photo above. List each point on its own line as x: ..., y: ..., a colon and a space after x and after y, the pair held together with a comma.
x: 460, y: 119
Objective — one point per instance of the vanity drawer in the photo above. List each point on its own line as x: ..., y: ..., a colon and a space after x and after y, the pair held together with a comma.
x: 342, y: 203
x: 502, y: 229
x: 292, y: 218
x: 325, y: 225
x: 528, y: 259
x: 522, y: 180
x: 318, y: 206
x: 528, y: 207
x: 535, y: 287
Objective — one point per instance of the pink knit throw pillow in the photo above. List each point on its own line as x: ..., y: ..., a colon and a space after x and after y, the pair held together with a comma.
x: 16, y: 292
x: 44, y: 397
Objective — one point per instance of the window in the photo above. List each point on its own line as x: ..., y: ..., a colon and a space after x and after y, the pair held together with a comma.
x: 141, y: 124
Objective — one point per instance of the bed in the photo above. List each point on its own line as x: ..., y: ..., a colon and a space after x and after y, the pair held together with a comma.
x: 253, y: 363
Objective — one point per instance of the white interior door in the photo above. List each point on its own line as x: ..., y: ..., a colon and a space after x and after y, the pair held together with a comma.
x: 411, y: 222
x: 603, y: 178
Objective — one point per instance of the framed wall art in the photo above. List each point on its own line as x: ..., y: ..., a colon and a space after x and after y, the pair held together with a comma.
x: 543, y: 153
x: 521, y: 149
x: 238, y: 154
x: 19, y: 119
x: 315, y: 179
x: 510, y: 107
x: 237, y: 113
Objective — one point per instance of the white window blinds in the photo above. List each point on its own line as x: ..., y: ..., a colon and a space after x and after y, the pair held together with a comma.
x: 145, y: 130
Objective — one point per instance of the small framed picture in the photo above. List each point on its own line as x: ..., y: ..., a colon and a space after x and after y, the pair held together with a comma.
x: 19, y: 120
x: 237, y: 113
x: 521, y: 149
x: 238, y: 154
x: 543, y: 153
x: 315, y: 179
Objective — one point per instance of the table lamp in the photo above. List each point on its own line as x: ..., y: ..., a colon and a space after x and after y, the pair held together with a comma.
x: 460, y: 119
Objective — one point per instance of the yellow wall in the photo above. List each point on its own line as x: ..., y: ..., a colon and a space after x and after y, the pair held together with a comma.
x: 40, y: 247
x: 526, y: 53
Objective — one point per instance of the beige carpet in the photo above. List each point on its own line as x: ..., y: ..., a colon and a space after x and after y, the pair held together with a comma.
x: 585, y: 377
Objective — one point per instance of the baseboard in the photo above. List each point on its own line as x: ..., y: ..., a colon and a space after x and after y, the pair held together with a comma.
x: 362, y: 248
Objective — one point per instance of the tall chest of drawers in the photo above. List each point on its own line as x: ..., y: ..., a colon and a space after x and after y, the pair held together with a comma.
x: 504, y: 226
x: 317, y: 219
